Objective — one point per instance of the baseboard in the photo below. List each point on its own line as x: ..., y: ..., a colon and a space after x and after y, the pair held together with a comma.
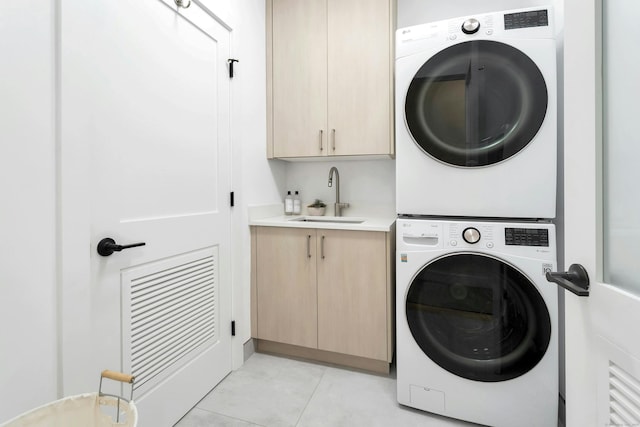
x: 248, y: 348
x: 360, y: 363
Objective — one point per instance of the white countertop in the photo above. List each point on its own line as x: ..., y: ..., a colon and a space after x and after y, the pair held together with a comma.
x: 379, y: 223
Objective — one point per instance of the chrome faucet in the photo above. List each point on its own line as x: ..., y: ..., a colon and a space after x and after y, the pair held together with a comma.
x: 338, y: 206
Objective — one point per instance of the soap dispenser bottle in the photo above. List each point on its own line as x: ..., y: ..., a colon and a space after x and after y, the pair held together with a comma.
x: 288, y: 204
x: 297, y: 207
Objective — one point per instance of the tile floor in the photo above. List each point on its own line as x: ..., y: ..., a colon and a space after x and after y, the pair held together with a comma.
x: 276, y: 391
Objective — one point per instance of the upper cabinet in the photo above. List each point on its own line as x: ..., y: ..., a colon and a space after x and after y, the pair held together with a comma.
x: 329, y: 78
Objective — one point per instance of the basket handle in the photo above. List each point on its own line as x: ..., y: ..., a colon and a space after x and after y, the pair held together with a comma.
x: 117, y: 376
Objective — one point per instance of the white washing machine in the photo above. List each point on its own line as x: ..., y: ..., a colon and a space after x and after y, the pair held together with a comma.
x: 476, y: 132
x: 477, y: 322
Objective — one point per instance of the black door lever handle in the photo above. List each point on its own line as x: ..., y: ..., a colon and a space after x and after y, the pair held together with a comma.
x: 575, y: 280
x: 107, y: 246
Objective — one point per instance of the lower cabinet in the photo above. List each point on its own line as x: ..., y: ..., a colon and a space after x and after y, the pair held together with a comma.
x: 287, y: 297
x: 324, y: 294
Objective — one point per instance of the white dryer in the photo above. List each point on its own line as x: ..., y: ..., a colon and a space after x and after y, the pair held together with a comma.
x: 476, y: 132
x: 477, y: 322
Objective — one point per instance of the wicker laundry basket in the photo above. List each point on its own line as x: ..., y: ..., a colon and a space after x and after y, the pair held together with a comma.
x: 83, y: 410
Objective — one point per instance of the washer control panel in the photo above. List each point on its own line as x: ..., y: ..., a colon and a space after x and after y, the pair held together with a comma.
x: 480, y: 235
x: 471, y: 235
x: 533, y: 239
x: 526, y: 237
x: 477, y: 235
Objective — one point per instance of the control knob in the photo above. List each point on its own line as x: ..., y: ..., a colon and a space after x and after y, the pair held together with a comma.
x: 471, y: 235
x: 470, y: 26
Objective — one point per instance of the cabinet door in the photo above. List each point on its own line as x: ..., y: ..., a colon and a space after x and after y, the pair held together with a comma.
x: 359, y: 77
x: 299, y: 77
x: 286, y: 285
x: 352, y: 293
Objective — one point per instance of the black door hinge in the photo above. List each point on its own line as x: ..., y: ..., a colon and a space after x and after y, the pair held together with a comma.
x: 233, y: 328
x: 230, y: 61
x: 232, y: 200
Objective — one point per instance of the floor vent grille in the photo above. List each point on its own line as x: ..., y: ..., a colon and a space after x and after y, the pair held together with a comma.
x: 624, y: 397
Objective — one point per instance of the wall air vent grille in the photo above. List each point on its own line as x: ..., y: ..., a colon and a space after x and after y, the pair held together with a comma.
x: 172, y: 314
x: 624, y: 397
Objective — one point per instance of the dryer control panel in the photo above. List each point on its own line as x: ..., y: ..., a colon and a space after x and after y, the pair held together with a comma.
x: 531, y: 18
x: 526, y: 236
x: 526, y: 23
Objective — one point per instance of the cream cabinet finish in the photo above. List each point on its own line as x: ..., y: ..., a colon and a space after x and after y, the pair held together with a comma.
x: 329, y: 78
x: 346, y: 274
x: 298, y: 65
x: 286, y: 291
x: 352, y: 293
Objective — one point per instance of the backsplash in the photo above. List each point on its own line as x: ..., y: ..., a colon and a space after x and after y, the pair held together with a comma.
x: 367, y: 185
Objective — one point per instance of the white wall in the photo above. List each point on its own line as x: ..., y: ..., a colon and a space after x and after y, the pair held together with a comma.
x: 28, y: 207
x: 367, y: 185
x: 256, y: 181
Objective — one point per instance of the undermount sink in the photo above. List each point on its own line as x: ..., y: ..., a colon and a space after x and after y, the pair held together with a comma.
x: 330, y: 219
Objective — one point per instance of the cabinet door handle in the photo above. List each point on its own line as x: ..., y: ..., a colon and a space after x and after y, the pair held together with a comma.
x: 322, y: 247
x: 333, y: 132
x: 309, y: 246
x: 321, y: 134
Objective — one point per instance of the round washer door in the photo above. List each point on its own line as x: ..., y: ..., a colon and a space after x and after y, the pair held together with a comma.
x: 476, y: 103
x: 478, y: 317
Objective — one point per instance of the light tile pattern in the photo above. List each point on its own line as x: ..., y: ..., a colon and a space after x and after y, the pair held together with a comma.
x: 272, y: 391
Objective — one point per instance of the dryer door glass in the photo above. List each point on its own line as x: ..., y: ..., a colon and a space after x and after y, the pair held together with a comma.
x: 478, y: 317
x: 476, y: 103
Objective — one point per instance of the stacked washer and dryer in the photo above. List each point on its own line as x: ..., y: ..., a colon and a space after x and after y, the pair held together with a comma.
x: 476, y: 150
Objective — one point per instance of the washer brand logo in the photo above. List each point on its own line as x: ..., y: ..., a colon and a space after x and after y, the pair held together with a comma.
x: 547, y: 268
x: 403, y: 257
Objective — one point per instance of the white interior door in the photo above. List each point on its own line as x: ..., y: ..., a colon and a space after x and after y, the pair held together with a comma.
x: 602, y: 212
x: 145, y: 103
